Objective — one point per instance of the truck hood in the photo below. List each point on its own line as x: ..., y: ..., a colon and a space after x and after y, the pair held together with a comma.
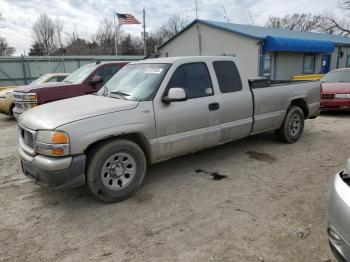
x: 52, y: 115
x: 30, y: 88
x: 336, y: 88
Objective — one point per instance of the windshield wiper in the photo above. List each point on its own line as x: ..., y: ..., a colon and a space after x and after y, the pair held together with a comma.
x: 119, y: 93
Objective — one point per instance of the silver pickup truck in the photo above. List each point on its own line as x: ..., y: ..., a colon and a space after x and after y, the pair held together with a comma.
x: 153, y: 110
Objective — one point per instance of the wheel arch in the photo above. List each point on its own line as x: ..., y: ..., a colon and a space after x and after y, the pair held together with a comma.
x: 137, y: 138
x: 300, y: 102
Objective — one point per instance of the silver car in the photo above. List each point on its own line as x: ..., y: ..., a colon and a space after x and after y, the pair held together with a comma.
x: 339, y: 215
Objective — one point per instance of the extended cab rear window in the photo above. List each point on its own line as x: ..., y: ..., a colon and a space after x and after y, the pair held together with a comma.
x: 228, y: 76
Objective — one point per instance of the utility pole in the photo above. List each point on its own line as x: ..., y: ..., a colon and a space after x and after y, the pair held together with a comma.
x: 144, y: 33
x: 115, y: 34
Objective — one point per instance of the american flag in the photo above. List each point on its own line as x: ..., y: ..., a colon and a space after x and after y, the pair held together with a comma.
x: 127, y: 19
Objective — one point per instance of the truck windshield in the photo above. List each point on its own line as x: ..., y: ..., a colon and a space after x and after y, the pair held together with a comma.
x: 79, y: 75
x: 135, y: 82
x: 336, y: 77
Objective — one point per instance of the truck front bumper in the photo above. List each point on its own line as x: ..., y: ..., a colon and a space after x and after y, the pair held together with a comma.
x: 16, y: 112
x: 60, y: 173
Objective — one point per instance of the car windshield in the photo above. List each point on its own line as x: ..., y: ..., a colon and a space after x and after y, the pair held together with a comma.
x: 336, y: 77
x: 135, y: 82
x: 39, y: 80
x: 79, y: 75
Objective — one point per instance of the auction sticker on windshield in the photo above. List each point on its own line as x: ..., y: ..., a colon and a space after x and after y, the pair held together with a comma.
x: 153, y: 70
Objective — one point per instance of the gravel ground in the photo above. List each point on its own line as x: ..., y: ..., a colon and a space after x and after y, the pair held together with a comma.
x: 272, y: 205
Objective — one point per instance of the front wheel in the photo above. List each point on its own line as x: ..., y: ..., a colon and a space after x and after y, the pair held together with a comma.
x: 115, y: 170
x: 292, y: 126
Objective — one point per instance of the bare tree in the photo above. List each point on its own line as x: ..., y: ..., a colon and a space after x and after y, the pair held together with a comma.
x: 58, y: 24
x: 336, y: 25
x: 47, y: 33
x: 171, y: 27
x: 104, y: 37
x: 296, y: 22
x: 5, y: 49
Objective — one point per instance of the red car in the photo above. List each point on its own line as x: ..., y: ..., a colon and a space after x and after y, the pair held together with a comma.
x: 336, y: 90
x: 87, y: 79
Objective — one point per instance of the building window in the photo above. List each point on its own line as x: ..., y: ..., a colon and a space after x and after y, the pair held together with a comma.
x: 267, y: 66
x: 348, y: 61
x: 309, y: 64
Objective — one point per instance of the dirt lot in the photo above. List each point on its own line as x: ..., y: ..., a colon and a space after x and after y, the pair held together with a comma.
x: 271, y: 207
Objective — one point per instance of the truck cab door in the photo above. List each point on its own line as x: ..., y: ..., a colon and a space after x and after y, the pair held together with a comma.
x: 236, y: 114
x: 191, y: 125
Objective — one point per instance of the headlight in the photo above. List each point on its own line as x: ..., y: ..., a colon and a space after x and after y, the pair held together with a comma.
x: 52, y: 143
x: 31, y: 97
x: 342, y: 96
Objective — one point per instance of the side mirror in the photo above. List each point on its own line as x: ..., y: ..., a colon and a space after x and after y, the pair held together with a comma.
x: 96, y: 80
x: 175, y: 94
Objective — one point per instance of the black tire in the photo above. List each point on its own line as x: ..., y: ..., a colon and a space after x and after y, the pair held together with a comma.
x: 11, y: 110
x: 292, y: 127
x: 97, y: 163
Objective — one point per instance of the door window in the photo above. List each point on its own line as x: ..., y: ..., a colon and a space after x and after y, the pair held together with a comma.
x: 309, y: 64
x: 194, y: 78
x: 107, y: 72
x: 228, y: 76
x: 53, y: 79
x: 61, y: 78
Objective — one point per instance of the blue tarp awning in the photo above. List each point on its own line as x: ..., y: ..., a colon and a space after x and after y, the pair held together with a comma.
x: 285, y: 44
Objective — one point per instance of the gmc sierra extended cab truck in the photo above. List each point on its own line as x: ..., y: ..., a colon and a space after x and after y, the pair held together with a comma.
x: 150, y: 111
x: 85, y: 80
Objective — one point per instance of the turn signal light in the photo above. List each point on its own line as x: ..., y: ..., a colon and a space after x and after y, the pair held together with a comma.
x: 60, y: 138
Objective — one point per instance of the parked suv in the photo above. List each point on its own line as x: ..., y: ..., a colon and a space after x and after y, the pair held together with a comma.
x: 86, y: 80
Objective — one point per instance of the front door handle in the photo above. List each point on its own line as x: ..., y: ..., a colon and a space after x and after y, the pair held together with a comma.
x: 214, y: 106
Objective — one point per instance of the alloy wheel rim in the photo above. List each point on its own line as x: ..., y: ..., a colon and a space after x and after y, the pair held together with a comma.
x: 294, y: 124
x: 118, y: 171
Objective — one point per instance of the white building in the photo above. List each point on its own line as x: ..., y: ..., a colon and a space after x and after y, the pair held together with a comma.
x: 274, y: 53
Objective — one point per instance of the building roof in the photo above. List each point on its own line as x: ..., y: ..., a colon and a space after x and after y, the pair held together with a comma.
x: 260, y: 33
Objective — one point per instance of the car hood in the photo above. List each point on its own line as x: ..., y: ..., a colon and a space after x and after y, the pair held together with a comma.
x: 52, y: 115
x: 6, y: 91
x: 336, y: 88
x: 30, y: 88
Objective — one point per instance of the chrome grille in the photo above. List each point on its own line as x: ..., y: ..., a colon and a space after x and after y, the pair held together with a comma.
x: 28, y: 137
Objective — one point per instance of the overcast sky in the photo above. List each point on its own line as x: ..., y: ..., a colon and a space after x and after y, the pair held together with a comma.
x: 84, y: 15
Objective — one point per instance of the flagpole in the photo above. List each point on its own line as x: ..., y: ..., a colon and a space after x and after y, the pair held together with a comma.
x: 115, y: 35
x: 144, y: 33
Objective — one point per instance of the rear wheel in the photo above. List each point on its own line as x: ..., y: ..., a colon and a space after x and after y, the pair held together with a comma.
x: 115, y: 170
x: 293, y: 125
